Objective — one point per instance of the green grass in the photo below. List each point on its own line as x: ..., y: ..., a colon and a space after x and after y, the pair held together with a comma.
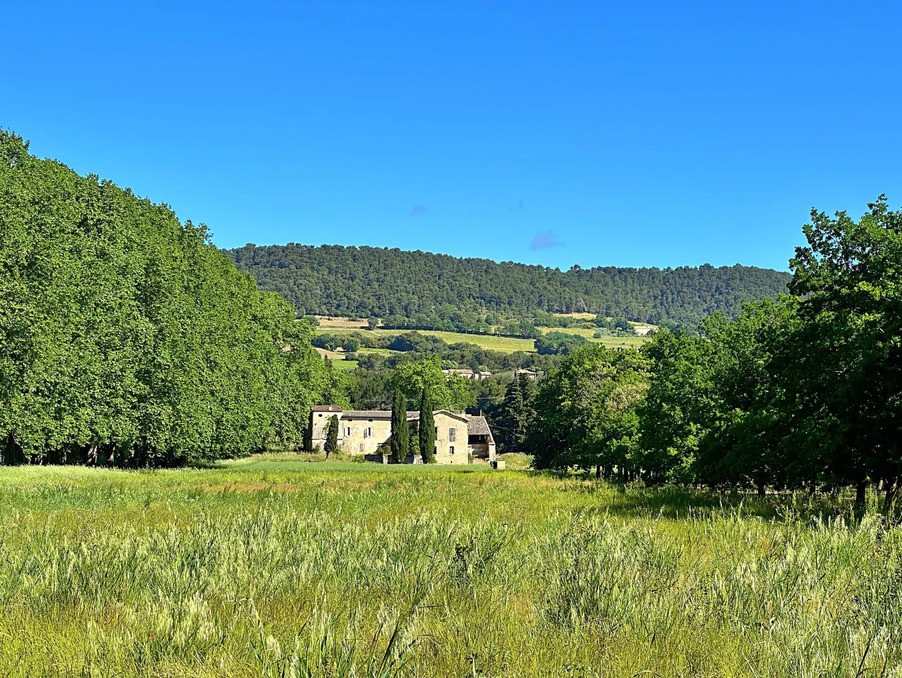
x: 610, y: 342
x: 378, y: 351
x: 275, y: 566
x: 487, y: 341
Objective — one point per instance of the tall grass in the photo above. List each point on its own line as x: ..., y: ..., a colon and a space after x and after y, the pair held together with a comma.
x: 277, y: 568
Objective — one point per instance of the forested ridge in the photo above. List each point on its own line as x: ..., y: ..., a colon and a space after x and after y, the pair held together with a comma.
x: 127, y: 338
x: 379, y: 282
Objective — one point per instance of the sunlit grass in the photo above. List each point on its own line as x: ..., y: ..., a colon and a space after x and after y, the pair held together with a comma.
x: 277, y: 566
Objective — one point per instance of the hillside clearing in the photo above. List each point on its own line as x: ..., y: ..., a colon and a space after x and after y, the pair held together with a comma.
x: 492, y: 342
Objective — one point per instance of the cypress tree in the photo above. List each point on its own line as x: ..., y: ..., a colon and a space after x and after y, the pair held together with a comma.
x: 516, y: 415
x: 399, y: 433
x: 427, y: 428
x: 414, y: 443
x: 332, y: 436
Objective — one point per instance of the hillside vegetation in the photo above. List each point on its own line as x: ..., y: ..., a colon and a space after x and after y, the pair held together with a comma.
x: 444, y: 292
x: 274, y: 567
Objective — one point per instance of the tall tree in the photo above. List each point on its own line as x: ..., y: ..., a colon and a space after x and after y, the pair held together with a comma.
x: 400, y: 436
x: 127, y: 338
x: 332, y: 436
x: 586, y: 412
x: 848, y: 377
x: 426, y: 427
x: 447, y: 391
x: 515, y: 415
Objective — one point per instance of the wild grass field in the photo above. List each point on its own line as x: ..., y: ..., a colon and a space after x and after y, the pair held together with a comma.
x: 274, y: 566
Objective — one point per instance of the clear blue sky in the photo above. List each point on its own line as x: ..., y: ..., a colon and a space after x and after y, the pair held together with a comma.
x: 559, y: 133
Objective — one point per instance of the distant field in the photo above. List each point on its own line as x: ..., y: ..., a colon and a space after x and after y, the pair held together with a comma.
x: 487, y: 341
x: 376, y: 351
x: 341, y: 323
x: 331, y: 355
x: 338, y: 359
x: 276, y: 566
x: 343, y: 326
x: 610, y: 342
x: 581, y: 316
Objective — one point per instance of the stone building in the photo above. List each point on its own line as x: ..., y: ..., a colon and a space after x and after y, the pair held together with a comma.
x: 459, y: 438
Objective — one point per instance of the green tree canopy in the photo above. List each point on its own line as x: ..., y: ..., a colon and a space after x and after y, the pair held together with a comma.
x: 586, y: 411
x: 126, y: 337
x: 450, y: 391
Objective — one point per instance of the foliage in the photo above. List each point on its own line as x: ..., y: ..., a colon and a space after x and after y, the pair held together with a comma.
x: 848, y: 381
x: 804, y: 391
x: 448, y: 392
x: 559, y: 343
x: 400, y: 436
x: 586, y: 412
x: 417, y: 290
x: 127, y: 338
x: 426, y: 427
x: 331, y: 444
x: 515, y: 415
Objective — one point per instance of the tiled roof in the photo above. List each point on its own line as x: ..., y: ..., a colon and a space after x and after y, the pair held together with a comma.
x: 376, y: 414
x: 478, y: 426
x: 326, y: 408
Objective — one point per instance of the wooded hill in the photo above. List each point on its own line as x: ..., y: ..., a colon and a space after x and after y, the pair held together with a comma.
x: 379, y: 282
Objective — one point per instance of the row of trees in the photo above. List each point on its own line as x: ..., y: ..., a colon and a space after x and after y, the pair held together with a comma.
x: 804, y: 391
x: 418, y: 290
x: 127, y: 338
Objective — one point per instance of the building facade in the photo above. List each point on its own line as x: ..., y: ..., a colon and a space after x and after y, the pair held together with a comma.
x: 459, y: 438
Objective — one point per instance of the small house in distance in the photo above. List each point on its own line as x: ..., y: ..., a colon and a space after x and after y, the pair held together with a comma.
x: 459, y: 438
x: 467, y: 374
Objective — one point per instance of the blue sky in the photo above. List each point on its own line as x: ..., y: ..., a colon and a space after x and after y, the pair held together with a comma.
x: 558, y: 133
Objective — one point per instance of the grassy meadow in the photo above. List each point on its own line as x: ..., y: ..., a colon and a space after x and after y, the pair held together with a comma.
x: 276, y: 566
x: 345, y: 326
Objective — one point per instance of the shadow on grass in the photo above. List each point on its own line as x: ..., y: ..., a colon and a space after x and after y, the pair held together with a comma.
x: 676, y: 502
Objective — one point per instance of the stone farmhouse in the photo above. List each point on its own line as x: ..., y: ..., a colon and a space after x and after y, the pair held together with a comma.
x: 459, y: 438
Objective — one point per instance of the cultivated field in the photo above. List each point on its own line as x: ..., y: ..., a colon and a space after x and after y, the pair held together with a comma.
x: 278, y: 567
x: 344, y: 326
x: 487, y: 341
x: 610, y: 342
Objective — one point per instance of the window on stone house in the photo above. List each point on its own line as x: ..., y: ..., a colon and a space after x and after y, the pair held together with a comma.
x: 451, y: 448
x: 452, y: 435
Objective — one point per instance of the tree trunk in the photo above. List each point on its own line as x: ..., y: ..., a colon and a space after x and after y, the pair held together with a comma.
x: 891, y: 489
x: 762, y: 490
x: 861, y: 493
x: 598, y: 472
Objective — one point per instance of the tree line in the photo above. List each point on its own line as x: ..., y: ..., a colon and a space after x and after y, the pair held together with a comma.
x: 419, y: 290
x: 800, y: 392
x: 127, y: 338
